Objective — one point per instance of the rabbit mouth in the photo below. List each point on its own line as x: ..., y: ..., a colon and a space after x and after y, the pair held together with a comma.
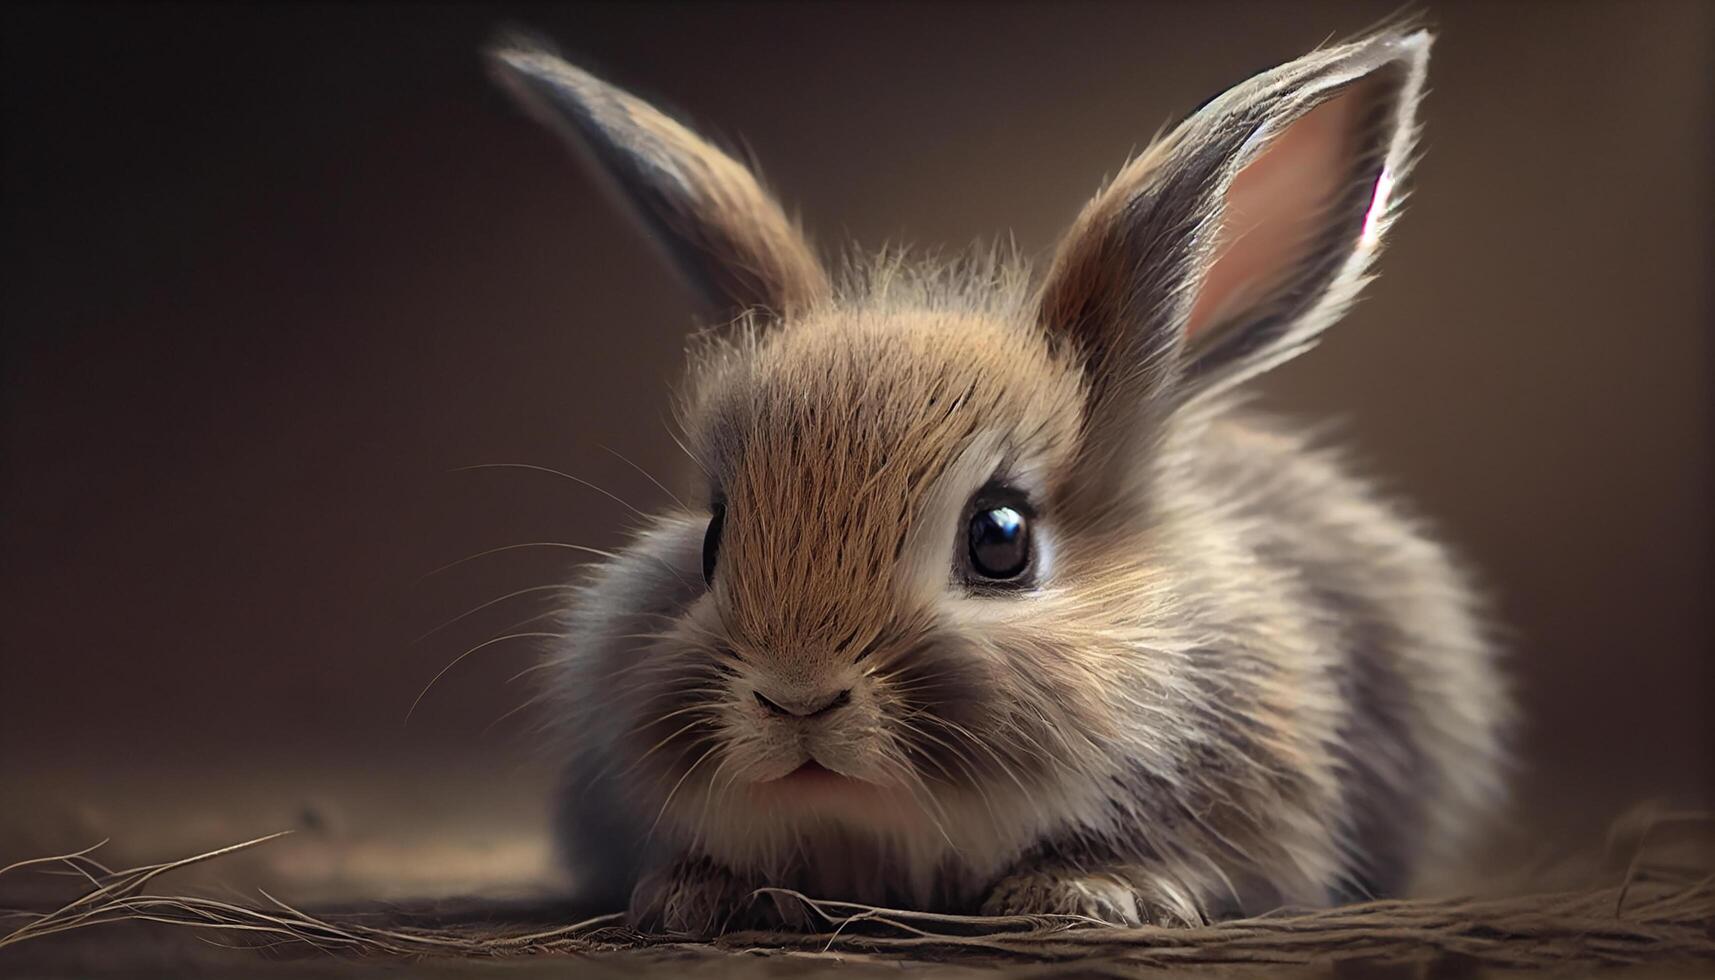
x: 811, y: 772
x: 813, y: 780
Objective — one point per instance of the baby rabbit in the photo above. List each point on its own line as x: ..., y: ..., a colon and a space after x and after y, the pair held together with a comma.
x: 996, y: 598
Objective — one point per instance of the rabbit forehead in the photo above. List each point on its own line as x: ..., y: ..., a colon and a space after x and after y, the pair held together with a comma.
x: 838, y: 439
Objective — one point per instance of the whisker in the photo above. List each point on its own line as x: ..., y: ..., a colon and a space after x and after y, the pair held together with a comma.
x: 456, y: 660
x: 675, y: 790
x: 514, y: 547
x: 646, y: 475
x: 638, y: 728
x: 918, y: 731
x: 970, y: 737
x: 966, y: 765
x: 533, y: 668
x: 708, y: 798
x: 694, y: 722
x: 491, y: 602
x: 933, y: 810
x: 559, y: 473
x: 524, y: 705
x: 686, y: 450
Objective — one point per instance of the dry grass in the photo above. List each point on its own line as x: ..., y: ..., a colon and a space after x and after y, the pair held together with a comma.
x: 1656, y: 911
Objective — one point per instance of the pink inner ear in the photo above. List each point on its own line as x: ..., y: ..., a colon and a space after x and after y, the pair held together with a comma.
x: 1276, y: 207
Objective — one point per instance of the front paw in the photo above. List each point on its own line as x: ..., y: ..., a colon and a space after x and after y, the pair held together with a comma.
x: 1117, y: 898
x: 694, y: 896
x: 702, y: 898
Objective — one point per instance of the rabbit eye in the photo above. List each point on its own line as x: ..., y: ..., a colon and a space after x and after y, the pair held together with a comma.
x: 712, y: 541
x: 997, y: 538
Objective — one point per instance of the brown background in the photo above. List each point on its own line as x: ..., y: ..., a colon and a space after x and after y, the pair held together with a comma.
x: 271, y: 273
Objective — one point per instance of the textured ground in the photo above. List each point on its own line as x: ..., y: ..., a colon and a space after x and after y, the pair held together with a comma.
x: 1647, y: 907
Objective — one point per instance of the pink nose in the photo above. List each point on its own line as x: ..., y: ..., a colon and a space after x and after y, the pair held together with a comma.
x: 804, y: 707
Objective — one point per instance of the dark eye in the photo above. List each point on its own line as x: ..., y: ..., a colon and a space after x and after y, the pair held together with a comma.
x: 712, y: 541
x: 999, y: 542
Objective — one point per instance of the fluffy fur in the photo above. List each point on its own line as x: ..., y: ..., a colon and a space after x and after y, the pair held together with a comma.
x: 1240, y: 678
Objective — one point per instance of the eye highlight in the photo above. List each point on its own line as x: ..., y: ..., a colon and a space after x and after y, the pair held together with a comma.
x: 998, y: 551
x: 712, y: 540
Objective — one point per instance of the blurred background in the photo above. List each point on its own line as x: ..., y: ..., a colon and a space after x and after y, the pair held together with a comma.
x: 272, y: 273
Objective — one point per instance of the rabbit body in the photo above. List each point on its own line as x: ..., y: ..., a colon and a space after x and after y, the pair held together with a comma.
x: 1219, y: 674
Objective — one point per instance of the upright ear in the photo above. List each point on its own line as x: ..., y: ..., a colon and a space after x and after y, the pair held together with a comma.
x: 1229, y: 245
x: 726, y: 233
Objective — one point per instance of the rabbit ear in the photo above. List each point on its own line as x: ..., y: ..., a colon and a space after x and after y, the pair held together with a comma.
x: 728, y: 235
x: 1229, y: 245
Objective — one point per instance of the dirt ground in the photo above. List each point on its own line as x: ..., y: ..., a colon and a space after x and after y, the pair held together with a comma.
x: 473, y: 864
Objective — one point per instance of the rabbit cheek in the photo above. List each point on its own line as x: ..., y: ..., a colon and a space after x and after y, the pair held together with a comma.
x: 939, y: 705
x: 671, y: 703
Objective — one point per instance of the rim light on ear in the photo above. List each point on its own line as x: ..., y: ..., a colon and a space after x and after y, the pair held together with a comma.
x: 1372, y: 233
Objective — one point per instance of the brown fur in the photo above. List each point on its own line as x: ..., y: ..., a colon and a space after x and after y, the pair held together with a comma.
x: 1238, y: 679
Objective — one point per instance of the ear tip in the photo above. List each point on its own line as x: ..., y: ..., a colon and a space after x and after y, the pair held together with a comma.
x: 1408, y: 48
x: 1413, y: 44
x: 512, y: 38
x: 511, y: 44
x: 1417, y: 41
x: 516, y: 54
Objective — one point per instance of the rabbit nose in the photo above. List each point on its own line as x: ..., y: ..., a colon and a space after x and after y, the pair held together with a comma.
x: 804, y: 707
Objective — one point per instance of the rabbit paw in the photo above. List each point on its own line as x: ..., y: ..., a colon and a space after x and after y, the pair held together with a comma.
x: 1117, y: 898
x: 698, y: 897
x: 695, y: 897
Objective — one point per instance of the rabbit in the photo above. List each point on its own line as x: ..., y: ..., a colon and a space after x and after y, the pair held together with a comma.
x: 997, y: 596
